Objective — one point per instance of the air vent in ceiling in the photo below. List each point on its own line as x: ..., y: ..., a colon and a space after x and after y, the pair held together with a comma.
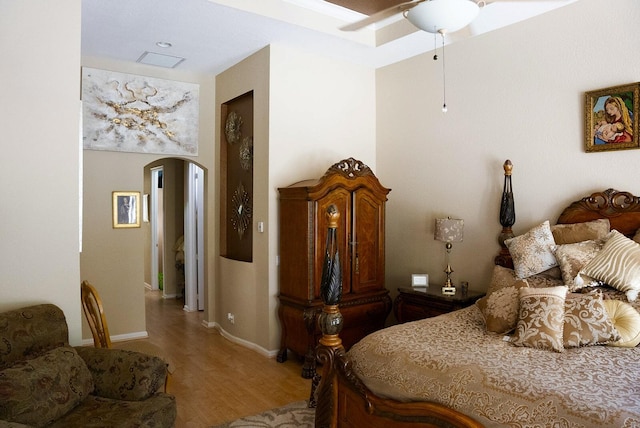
x: 160, y: 60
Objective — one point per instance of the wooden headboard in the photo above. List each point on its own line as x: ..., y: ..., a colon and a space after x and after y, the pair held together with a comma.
x: 621, y: 208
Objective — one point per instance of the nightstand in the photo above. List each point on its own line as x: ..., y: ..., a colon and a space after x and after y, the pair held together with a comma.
x: 415, y: 304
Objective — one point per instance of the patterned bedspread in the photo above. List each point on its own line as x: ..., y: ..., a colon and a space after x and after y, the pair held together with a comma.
x: 451, y: 359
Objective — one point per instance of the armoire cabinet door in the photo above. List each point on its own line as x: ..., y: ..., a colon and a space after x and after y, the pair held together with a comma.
x: 367, y: 264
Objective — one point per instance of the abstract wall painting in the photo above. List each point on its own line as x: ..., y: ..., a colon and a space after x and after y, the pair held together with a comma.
x: 130, y: 113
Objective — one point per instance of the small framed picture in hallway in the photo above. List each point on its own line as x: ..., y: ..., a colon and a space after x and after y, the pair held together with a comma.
x: 126, y: 209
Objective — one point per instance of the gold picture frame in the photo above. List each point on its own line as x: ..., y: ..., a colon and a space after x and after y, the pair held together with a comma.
x: 612, y: 118
x: 126, y: 210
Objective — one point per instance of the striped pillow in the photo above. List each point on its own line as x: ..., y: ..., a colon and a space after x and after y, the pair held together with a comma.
x: 617, y: 264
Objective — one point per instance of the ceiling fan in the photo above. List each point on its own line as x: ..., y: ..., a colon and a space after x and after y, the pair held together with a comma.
x: 433, y: 16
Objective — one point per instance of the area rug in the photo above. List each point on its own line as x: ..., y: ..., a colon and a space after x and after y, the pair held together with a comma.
x: 292, y: 415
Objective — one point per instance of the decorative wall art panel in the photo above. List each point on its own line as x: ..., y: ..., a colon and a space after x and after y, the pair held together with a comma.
x: 236, y: 188
x: 130, y: 113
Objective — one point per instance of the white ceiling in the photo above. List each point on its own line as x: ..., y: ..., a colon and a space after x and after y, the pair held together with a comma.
x: 212, y: 35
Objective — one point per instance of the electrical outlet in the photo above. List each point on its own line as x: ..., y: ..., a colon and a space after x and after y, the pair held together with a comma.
x: 231, y: 318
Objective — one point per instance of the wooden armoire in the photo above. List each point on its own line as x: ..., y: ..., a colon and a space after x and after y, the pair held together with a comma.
x: 365, y: 304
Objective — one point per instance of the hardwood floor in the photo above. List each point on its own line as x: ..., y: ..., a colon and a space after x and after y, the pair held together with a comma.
x: 216, y: 380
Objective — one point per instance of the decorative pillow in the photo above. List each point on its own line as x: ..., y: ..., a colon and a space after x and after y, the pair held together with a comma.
x: 504, y: 277
x: 541, y: 318
x: 573, y: 257
x: 500, y: 308
x: 578, y: 232
x: 636, y: 237
x: 124, y: 375
x: 501, y: 277
x: 554, y: 273
x: 532, y: 252
x: 617, y: 264
x: 38, y: 391
x: 626, y: 321
x: 586, y: 321
x: 542, y: 280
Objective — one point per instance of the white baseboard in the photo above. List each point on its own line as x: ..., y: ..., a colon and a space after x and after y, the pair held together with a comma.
x: 121, y: 337
x: 259, y: 349
x: 130, y: 336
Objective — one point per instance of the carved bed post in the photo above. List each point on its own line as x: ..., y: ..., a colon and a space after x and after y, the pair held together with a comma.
x: 330, y: 323
x: 507, y: 216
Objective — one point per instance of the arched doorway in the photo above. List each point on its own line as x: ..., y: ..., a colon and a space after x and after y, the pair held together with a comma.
x: 174, y: 234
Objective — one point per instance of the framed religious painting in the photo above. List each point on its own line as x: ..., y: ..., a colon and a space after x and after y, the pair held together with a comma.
x: 126, y: 210
x: 612, y: 118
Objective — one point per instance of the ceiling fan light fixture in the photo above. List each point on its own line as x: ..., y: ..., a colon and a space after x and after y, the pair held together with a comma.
x: 438, y: 16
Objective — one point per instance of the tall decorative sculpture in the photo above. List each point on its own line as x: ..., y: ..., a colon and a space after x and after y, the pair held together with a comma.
x: 330, y: 323
x: 507, y: 214
x: 331, y: 283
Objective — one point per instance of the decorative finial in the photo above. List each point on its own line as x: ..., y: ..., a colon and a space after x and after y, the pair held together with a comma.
x: 333, y: 216
x: 508, y: 167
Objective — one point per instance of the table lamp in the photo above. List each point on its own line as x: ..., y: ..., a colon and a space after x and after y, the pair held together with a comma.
x: 448, y: 230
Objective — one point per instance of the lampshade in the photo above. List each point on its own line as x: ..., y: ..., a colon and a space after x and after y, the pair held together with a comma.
x: 444, y: 16
x: 449, y: 230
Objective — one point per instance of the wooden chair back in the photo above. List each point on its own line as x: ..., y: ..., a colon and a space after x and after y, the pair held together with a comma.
x: 93, y: 311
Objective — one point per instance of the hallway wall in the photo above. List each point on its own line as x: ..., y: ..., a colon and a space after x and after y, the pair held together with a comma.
x: 113, y: 259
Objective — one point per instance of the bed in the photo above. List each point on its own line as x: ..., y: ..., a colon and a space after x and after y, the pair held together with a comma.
x: 578, y: 367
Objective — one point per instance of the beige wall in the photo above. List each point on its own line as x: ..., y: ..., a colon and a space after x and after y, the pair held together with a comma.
x: 237, y: 289
x: 39, y: 167
x: 516, y: 93
x: 310, y: 112
x: 322, y: 111
x: 114, y: 259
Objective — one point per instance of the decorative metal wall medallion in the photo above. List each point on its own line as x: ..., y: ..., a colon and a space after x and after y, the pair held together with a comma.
x: 246, y: 153
x: 233, y: 128
x: 241, y: 210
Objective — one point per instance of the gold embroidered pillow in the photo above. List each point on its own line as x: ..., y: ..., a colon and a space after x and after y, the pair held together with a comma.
x: 554, y: 273
x: 541, y: 318
x: 573, y: 257
x: 500, y: 307
x: 501, y: 277
x: 617, y: 264
x: 542, y: 280
x: 586, y: 321
x: 626, y: 321
x: 578, y: 232
x: 532, y: 252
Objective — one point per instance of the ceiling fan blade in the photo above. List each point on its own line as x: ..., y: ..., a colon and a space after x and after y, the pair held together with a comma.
x: 519, y: 1
x: 379, y: 16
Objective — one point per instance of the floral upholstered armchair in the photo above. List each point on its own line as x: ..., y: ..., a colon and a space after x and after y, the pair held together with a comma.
x: 46, y: 382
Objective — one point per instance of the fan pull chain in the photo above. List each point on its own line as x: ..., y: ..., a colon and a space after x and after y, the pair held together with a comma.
x: 444, y: 84
x: 435, y: 46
